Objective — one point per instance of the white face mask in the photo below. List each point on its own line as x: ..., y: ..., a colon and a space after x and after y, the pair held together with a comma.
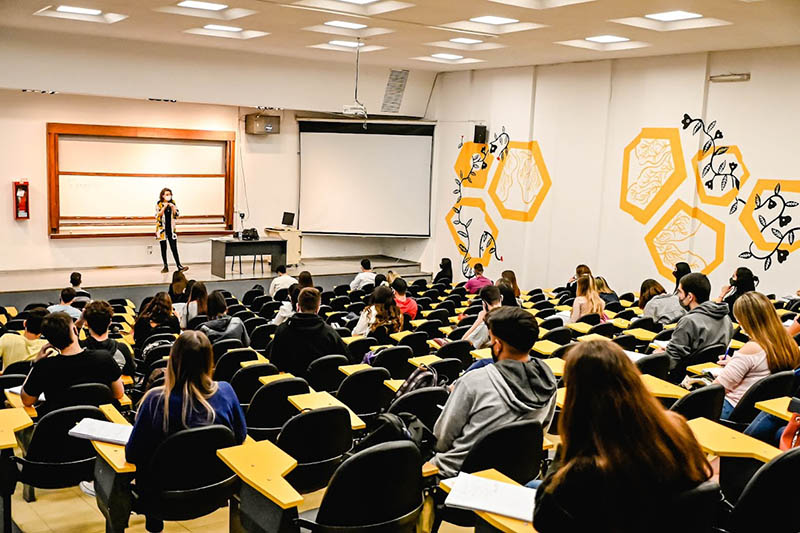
x: 167, y: 197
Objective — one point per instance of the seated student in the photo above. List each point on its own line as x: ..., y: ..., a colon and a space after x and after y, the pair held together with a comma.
x: 221, y: 326
x: 587, y: 300
x: 604, y: 291
x: 283, y: 281
x: 743, y: 281
x: 197, y: 304
x: 381, y: 279
x: 681, y: 269
x: 63, y: 363
x: 622, y: 456
x: 478, y: 333
x: 25, y: 347
x: 511, y: 278
x: 445, y: 274
x: 156, y: 314
x: 67, y: 297
x: 304, y: 279
x: 75, y: 280
x: 177, y: 289
x: 304, y: 337
x: 769, y: 349
x: 705, y: 324
x: 98, y: 317
x: 287, y: 309
x: 580, y: 270
x: 507, y: 293
x: 381, y: 312
x: 475, y: 283
x: 516, y: 387
x: 365, y: 277
x: 189, y: 398
x: 406, y: 304
x: 655, y: 303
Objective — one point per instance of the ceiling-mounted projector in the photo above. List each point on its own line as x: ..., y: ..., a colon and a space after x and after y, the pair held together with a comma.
x: 357, y: 110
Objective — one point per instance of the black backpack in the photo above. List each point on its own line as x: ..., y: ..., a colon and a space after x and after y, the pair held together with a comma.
x: 403, y: 426
x: 422, y: 376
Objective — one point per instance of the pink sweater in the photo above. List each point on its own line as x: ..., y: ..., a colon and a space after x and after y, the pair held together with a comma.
x: 741, y: 372
x: 477, y: 283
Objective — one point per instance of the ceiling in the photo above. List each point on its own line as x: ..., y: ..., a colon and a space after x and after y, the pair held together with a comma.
x: 399, y: 32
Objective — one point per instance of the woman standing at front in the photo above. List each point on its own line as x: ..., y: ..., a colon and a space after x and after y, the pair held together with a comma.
x: 166, y: 215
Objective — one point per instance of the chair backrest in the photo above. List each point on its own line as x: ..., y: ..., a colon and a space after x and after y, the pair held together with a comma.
x: 95, y: 394
x: 457, y: 333
x: 16, y: 324
x: 439, y: 314
x: 339, y: 303
x: 664, y: 335
x: 364, y: 392
x: 281, y: 295
x: 449, y: 368
x: 253, y: 322
x: 268, y: 309
x: 431, y: 328
x: 230, y: 362
x: 467, y: 321
x: 259, y: 301
x: 221, y: 347
x: 704, y: 402
x: 251, y: 295
x: 417, y: 341
x: 513, y: 449
x: 270, y: 408
x: 646, y: 323
x: 627, y: 342
x: 606, y: 329
x: 232, y: 310
x: 458, y: 349
x: 245, y: 381
x: 355, y: 307
x: 379, y: 485
x: 591, y: 318
x: 259, y: 338
x: 614, y: 307
x: 8, y: 381
x: 552, y: 323
x: 341, y: 290
x: 709, y: 354
x: 559, y: 335
x: 20, y: 367
x: 359, y: 347
x: 423, y: 403
x: 769, y: 488
x: 656, y: 365
x: 357, y: 295
x: 447, y: 306
x: 195, y: 322
x: 324, y: 375
x: 769, y: 387
x: 395, y: 360
x: 627, y: 314
x: 343, y: 332
x: 51, y: 443
x: 561, y: 351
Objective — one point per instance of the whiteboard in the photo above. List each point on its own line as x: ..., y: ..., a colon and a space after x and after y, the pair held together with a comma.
x: 365, y: 184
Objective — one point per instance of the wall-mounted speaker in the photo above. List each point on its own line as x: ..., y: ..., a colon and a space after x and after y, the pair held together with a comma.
x: 480, y: 135
x: 258, y: 124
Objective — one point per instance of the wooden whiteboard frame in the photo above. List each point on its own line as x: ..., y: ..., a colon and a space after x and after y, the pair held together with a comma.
x: 89, y: 130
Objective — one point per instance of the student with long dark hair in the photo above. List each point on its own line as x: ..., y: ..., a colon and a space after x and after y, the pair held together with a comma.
x: 197, y: 305
x: 177, y: 289
x: 445, y: 274
x: 382, y: 311
x: 622, y: 456
x: 158, y: 313
x: 657, y: 304
x: 741, y: 282
x: 189, y: 398
x: 166, y: 216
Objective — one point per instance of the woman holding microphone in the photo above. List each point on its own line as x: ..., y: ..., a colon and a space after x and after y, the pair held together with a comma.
x: 166, y: 215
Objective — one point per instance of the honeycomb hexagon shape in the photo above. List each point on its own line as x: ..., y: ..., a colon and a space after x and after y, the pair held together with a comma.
x: 521, y: 182
x: 652, y: 169
x: 726, y: 197
x: 458, y: 236
x: 772, y: 208
x: 688, y: 234
x: 470, y: 160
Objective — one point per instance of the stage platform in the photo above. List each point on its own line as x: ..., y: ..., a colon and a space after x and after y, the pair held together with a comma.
x: 19, y: 287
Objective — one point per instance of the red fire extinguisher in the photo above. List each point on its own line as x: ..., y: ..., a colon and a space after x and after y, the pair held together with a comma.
x: 21, y: 200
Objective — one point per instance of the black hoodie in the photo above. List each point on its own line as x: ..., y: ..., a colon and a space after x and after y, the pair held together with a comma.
x: 303, y: 338
x: 118, y: 350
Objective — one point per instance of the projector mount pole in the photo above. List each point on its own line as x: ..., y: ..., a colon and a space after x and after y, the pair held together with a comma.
x: 355, y: 95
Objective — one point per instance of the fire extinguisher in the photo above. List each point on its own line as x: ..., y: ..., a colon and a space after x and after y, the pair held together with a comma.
x: 21, y: 200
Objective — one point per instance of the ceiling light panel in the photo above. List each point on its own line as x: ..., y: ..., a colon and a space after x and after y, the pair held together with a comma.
x: 672, y: 16
x: 80, y: 13
x: 346, y: 44
x: 208, y: 6
x: 346, y: 25
x: 78, y: 10
x: 448, y: 57
x: 604, y: 46
x: 493, y: 20
x: 369, y: 9
x: 607, y: 39
x: 219, y: 27
x: 540, y: 4
x: 465, y: 40
x: 671, y: 21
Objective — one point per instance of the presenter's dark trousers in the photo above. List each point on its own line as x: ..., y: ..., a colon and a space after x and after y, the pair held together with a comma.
x: 173, y: 244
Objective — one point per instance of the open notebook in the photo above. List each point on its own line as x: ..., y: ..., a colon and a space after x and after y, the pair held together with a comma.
x: 16, y: 390
x: 93, y: 429
x: 480, y: 494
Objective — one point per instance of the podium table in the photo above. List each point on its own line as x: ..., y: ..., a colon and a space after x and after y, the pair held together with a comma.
x: 229, y: 247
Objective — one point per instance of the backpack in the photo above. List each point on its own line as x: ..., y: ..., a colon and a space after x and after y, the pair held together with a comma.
x: 150, y: 347
x: 422, y: 376
x: 403, y: 426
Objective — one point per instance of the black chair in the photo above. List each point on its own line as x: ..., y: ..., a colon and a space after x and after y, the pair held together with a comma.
x: 223, y: 346
x: 389, y: 502
x: 592, y: 319
x: 709, y: 354
x: 20, y: 367
x: 423, y: 403
x: 355, y: 308
x: 231, y: 362
x: 467, y: 321
x: 769, y: 387
x: 704, y: 402
x: 627, y: 342
x: 34, y: 305
x: 327, y: 296
x: 16, y: 324
x: 245, y: 382
x: 395, y: 360
x: 664, y: 335
x: 449, y: 368
x: 545, y: 304
x: 157, y: 336
x: 628, y: 297
x: 560, y: 335
x: 251, y: 295
x: 546, y: 313
x: 232, y: 310
x: 95, y: 394
x: 656, y: 365
x: 195, y: 322
x: 270, y: 408
x: 252, y: 323
x: 336, y: 317
x: 270, y: 309
x: 606, y: 329
x: 431, y: 329
x: 364, y: 392
x: 441, y: 314
x: 447, y: 306
x: 341, y: 290
x: 614, y: 307
x: 260, y: 337
x: 418, y: 342
x: 627, y: 314
x: 317, y: 458
x: 552, y: 323
x: 259, y: 301
x: 474, y: 310
x: 646, y: 323
x: 561, y: 351
x: 458, y: 333
x: 324, y: 375
x: 458, y: 349
x: 281, y: 295
x: 339, y: 303
x: 359, y: 347
x: 357, y: 295
x: 243, y: 315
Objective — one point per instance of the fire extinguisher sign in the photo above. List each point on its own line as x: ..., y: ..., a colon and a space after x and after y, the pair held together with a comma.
x: 21, y: 200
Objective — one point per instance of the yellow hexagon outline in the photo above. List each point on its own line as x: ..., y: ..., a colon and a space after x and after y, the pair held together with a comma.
x: 516, y: 214
x: 464, y: 164
x: 480, y: 204
x: 643, y: 216
x: 717, y: 226
x: 749, y: 223
x: 728, y: 197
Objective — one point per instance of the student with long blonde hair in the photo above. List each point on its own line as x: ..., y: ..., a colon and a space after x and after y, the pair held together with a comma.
x: 587, y: 300
x: 622, y: 456
x: 189, y: 398
x: 769, y: 350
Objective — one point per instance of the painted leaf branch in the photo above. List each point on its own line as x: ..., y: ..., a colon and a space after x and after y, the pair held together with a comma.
x: 772, y: 221
x: 723, y: 171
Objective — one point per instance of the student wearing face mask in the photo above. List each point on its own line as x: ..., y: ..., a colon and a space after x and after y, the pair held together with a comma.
x: 166, y: 217
x: 742, y: 281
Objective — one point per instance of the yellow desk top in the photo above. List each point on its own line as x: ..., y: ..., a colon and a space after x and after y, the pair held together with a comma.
x: 782, y: 312
x: 545, y: 347
x: 702, y: 367
x: 453, y: 319
x: 3, y: 319
x: 417, y: 323
x: 376, y: 347
x: 621, y: 323
x: 502, y: 523
x: 580, y: 327
x: 274, y: 377
x: 263, y: 465
x: 15, y: 400
x: 11, y: 421
x: 470, y: 296
x: 400, y: 335
x: 460, y: 310
x: 563, y: 308
x: 641, y: 334
x: 113, y: 454
x: 663, y: 389
x: 429, y: 469
x: 315, y: 400
x: 527, y: 305
x: 592, y: 337
x: 777, y: 407
x: 637, y: 311
x: 735, y: 345
x: 348, y: 340
x: 12, y: 311
x: 352, y: 369
x: 393, y: 384
x: 483, y: 353
x: 625, y: 303
x: 556, y: 364
x: 446, y: 330
x: 260, y: 360
x: 553, y: 300
x: 424, y: 360
x: 671, y: 326
x: 726, y: 442
x: 610, y: 314
x: 125, y: 401
x: 127, y: 380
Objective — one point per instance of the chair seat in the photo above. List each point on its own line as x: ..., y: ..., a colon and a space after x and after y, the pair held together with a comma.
x: 184, y: 504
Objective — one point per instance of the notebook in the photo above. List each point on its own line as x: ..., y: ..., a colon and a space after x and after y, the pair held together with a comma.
x: 16, y: 390
x: 634, y: 356
x: 661, y: 344
x: 479, y: 494
x: 93, y: 429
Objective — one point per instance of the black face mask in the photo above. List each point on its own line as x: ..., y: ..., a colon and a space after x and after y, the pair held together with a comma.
x: 494, y: 355
x: 732, y: 282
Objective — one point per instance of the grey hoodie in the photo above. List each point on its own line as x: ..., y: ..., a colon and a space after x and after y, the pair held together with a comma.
x: 703, y: 326
x: 225, y: 327
x: 664, y: 309
x: 488, y: 398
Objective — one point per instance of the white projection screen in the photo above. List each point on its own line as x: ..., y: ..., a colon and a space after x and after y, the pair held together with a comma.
x: 374, y: 182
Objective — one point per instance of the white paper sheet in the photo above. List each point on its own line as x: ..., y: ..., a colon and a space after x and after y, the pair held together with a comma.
x: 480, y: 494
x: 93, y: 429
